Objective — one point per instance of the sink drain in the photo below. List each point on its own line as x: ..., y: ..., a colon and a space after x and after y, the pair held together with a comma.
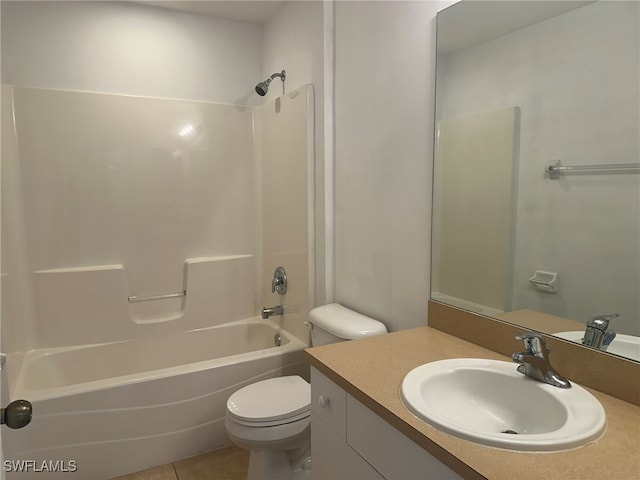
x: 512, y: 432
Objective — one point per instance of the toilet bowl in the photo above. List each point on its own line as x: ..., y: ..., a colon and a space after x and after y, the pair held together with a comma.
x: 272, y: 418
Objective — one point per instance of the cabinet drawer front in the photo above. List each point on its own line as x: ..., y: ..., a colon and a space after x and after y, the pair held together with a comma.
x: 329, y: 402
x: 390, y: 452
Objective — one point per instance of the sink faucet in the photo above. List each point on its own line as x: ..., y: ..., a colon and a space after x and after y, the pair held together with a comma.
x: 597, y: 333
x: 534, y: 361
x: 277, y: 310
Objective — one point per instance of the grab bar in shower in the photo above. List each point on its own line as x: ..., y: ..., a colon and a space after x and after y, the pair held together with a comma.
x: 556, y: 169
x: 157, y: 297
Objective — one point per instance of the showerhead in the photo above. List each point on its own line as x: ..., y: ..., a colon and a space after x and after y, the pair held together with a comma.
x: 263, y: 87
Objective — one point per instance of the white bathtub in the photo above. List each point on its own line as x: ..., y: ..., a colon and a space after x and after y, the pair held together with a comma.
x: 125, y: 406
x: 465, y: 304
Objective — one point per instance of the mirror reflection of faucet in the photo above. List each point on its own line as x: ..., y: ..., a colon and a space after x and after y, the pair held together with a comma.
x: 597, y: 333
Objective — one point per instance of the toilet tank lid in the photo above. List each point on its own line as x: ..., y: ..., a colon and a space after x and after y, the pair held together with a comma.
x: 345, y: 323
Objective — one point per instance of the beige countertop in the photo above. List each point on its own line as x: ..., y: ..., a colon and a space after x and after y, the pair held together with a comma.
x: 372, y: 370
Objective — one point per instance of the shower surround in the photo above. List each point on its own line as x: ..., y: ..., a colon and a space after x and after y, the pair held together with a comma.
x: 108, y: 200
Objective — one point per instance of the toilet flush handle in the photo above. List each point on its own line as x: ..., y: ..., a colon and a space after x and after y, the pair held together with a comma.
x: 323, y: 401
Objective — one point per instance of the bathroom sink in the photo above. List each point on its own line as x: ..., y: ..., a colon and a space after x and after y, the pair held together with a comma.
x: 625, y: 345
x: 489, y: 402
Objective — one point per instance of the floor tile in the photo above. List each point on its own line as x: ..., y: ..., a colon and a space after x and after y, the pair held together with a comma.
x: 163, y: 472
x: 229, y: 463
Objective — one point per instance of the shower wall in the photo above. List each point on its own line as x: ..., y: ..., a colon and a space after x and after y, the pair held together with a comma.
x: 117, y: 195
x: 475, y: 164
x: 285, y: 139
x: 127, y: 196
x: 16, y: 294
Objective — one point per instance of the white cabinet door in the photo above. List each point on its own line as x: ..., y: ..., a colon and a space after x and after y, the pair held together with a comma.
x: 350, y: 442
x: 329, y: 402
x: 388, y: 450
x: 333, y: 459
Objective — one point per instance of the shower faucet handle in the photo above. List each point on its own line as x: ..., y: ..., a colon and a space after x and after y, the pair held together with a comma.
x: 279, y: 283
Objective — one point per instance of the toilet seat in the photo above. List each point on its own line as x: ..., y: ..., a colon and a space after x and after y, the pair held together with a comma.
x: 271, y: 402
x: 270, y: 423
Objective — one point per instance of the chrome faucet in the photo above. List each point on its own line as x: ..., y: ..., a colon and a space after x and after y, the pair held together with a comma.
x: 597, y: 333
x: 534, y: 361
x: 277, y: 310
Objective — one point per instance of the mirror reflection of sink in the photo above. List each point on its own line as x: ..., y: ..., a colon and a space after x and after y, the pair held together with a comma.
x: 488, y: 402
x: 625, y: 345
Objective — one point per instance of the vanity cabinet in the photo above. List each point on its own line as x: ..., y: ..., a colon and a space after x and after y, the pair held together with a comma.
x: 349, y: 441
x: 332, y: 457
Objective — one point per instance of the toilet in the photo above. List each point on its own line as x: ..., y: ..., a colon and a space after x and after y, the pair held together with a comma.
x: 272, y: 418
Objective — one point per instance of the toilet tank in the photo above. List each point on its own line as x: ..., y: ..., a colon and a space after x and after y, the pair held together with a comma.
x: 334, y: 323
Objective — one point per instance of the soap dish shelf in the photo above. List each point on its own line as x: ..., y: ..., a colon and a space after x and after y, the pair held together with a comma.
x: 545, y: 281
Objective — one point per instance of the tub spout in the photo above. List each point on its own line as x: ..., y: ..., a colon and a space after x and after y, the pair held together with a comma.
x: 267, y: 312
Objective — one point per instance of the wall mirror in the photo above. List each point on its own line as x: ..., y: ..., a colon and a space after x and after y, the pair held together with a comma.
x: 523, y: 88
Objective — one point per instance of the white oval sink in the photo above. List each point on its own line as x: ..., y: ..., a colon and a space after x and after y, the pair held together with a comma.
x: 489, y: 402
x: 624, y: 345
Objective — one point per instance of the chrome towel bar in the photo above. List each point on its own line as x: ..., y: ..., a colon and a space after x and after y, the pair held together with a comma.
x: 556, y: 169
x: 157, y: 297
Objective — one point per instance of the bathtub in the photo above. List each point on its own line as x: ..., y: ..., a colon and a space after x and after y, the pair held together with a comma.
x: 121, y: 407
x: 465, y: 304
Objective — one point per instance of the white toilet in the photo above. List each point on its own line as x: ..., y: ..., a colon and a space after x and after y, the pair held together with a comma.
x: 272, y: 417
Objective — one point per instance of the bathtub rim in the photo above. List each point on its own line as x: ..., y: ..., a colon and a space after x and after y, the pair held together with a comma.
x: 19, y: 363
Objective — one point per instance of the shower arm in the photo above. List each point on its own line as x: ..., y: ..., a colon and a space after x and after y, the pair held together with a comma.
x: 263, y: 87
x: 282, y: 75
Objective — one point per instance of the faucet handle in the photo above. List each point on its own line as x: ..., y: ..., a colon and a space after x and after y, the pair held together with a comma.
x: 601, y: 322
x: 534, y: 342
x: 279, y: 282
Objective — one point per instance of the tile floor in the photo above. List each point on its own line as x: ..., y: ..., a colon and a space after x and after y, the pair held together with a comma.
x: 229, y: 463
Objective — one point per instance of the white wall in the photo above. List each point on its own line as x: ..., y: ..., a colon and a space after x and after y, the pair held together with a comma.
x: 130, y: 49
x: 293, y: 41
x: 384, y: 94
x: 586, y: 228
